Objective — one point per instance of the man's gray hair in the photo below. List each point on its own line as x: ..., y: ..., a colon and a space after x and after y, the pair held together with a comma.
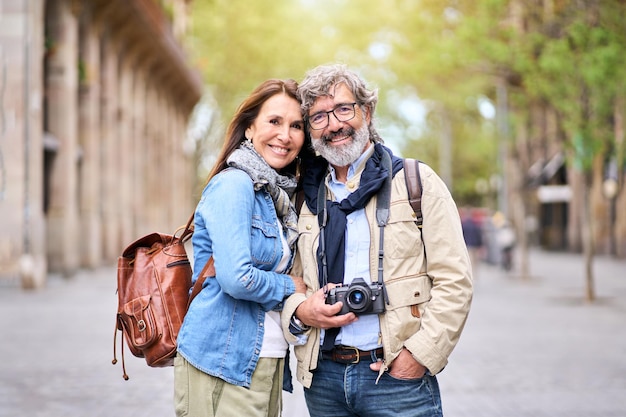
x: 321, y: 80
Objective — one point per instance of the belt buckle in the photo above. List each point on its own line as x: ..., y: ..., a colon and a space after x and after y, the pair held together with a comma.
x: 356, y: 351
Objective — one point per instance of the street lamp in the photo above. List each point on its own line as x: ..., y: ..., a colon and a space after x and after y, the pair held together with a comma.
x: 610, y: 189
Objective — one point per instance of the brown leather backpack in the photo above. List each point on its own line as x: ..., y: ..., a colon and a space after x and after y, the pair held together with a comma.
x: 153, y: 290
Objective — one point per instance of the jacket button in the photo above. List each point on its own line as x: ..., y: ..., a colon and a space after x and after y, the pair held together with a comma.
x: 308, y: 227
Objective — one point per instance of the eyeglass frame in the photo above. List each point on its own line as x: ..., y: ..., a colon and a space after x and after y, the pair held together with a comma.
x: 334, y: 114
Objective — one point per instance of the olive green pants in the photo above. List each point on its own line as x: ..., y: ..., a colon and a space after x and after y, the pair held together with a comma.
x: 197, y: 394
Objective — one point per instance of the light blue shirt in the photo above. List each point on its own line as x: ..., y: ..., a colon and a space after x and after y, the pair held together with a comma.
x: 364, y: 333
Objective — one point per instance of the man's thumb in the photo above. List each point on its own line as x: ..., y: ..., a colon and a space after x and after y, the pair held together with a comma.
x: 375, y: 366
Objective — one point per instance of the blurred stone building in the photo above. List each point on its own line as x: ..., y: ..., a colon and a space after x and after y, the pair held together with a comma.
x: 94, y: 101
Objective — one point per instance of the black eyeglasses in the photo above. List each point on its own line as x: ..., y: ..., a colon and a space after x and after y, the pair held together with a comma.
x: 343, y: 112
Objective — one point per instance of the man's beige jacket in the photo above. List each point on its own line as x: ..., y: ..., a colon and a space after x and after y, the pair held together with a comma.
x: 427, y: 275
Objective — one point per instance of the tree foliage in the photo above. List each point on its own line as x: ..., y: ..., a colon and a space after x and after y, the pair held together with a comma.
x: 434, y: 61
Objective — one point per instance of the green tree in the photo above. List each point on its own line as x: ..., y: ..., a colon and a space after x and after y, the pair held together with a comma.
x: 578, y: 67
x: 239, y: 43
x: 435, y: 63
x: 566, y: 57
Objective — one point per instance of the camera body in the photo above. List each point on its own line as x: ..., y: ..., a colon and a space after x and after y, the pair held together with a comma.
x: 358, y: 297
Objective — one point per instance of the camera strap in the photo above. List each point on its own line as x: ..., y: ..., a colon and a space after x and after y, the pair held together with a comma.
x: 322, y: 217
x: 382, y: 217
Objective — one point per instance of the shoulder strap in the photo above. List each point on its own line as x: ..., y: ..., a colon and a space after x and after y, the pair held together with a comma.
x: 207, y: 271
x: 299, y: 200
x: 414, y: 187
x: 209, y: 268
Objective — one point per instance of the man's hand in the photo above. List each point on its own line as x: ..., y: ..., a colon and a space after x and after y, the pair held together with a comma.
x: 315, y: 312
x: 403, y: 367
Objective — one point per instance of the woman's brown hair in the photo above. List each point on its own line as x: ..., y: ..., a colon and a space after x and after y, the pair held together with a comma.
x: 246, y: 114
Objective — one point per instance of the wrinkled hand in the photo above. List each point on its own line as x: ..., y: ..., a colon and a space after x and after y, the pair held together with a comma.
x: 315, y: 312
x: 403, y: 367
x: 299, y: 283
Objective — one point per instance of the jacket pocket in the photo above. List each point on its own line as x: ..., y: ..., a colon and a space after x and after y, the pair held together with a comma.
x: 266, y: 244
x: 407, y: 299
x: 403, y: 239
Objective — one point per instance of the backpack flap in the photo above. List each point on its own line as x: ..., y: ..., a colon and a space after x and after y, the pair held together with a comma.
x: 146, y: 242
x: 137, y: 318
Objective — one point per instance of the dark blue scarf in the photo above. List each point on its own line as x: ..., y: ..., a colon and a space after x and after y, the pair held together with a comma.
x: 372, y: 180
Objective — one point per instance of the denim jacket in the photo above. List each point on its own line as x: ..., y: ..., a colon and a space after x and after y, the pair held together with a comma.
x: 223, y: 330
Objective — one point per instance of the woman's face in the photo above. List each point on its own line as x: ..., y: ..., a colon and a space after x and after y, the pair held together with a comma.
x: 277, y: 133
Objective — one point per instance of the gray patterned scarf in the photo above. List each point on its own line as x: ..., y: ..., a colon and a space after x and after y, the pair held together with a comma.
x: 280, y: 187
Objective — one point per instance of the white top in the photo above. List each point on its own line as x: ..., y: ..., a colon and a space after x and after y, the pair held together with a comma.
x: 274, y: 343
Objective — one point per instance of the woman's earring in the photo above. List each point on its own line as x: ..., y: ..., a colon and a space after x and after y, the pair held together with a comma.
x: 298, y: 168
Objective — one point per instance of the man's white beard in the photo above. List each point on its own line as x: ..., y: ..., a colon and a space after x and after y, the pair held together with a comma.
x: 343, y: 155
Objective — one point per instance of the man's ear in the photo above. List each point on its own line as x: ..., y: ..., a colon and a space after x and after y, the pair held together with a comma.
x: 368, y: 115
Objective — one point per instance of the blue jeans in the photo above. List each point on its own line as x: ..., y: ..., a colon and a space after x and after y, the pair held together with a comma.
x: 340, y: 390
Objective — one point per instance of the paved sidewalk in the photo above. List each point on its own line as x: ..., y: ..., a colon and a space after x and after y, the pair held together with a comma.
x: 530, y: 349
x: 534, y: 348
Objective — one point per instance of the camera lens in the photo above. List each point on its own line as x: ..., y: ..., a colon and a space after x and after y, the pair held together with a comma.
x: 356, y: 297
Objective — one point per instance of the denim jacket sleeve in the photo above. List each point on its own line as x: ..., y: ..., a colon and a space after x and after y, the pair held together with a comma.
x: 240, y: 225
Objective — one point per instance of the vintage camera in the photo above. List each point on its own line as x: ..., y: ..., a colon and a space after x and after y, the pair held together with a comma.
x: 358, y: 297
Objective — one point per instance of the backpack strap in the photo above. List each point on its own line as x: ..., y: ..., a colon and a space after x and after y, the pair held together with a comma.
x: 413, y: 182
x: 209, y: 268
x: 207, y: 271
x: 188, y: 230
x: 299, y: 200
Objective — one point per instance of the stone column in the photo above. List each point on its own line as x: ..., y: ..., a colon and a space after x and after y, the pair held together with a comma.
x: 61, y: 121
x: 109, y: 145
x: 22, y: 220
x: 178, y: 185
x: 165, y: 155
x: 152, y: 180
x: 182, y: 168
x: 140, y: 147
x: 125, y: 150
x: 89, y: 138
x: 171, y: 142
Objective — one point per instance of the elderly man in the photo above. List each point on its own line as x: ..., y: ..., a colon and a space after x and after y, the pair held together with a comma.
x: 386, y: 302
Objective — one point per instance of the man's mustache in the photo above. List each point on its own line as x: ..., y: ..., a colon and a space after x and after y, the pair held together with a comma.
x: 346, y: 131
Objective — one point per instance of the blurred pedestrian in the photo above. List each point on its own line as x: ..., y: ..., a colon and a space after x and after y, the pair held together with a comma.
x: 506, y: 239
x: 473, y: 235
x: 231, y: 347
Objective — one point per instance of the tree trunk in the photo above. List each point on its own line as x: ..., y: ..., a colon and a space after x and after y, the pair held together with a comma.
x: 588, y: 240
x: 518, y: 211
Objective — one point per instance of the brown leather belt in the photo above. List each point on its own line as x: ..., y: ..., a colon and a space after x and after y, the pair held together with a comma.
x: 349, y: 354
